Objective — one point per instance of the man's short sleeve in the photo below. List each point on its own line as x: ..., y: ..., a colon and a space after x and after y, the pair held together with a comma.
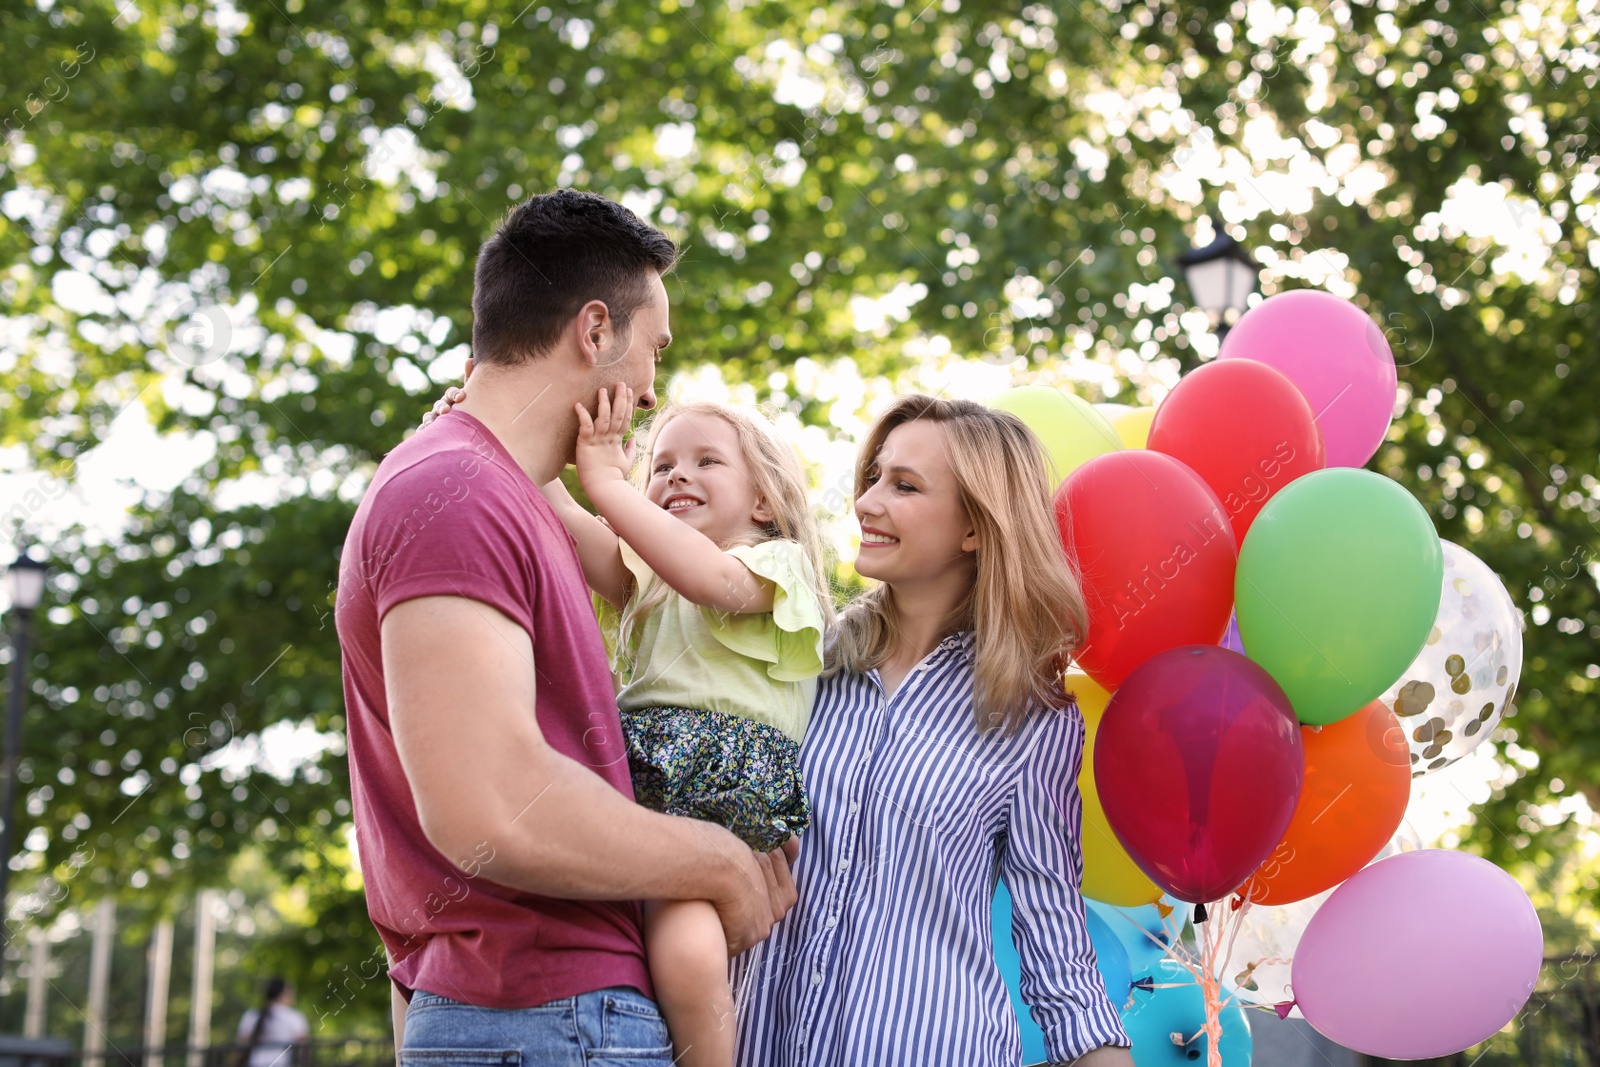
x: 452, y: 525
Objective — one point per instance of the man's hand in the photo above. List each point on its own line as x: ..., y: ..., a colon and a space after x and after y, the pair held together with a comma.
x: 761, y: 893
x: 601, y: 455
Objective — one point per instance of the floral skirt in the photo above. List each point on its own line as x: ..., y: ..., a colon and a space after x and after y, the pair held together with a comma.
x: 732, y: 771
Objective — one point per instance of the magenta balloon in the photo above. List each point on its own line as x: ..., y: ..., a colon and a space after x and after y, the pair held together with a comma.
x: 1338, y: 357
x: 1198, y: 763
x: 1422, y: 954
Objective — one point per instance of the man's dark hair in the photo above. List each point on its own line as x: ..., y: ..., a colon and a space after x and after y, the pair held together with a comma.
x: 553, y: 254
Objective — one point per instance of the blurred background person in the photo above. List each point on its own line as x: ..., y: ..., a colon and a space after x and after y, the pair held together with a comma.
x: 273, y: 1035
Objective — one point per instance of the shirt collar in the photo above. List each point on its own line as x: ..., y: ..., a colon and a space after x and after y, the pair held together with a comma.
x: 957, y: 644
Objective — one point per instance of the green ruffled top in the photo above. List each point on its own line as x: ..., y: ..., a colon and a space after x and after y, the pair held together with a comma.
x: 761, y: 665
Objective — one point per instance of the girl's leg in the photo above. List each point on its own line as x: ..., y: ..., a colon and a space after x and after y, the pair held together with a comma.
x: 689, y: 966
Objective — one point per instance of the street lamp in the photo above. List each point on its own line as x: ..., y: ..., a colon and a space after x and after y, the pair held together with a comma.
x: 24, y: 581
x: 1221, y: 277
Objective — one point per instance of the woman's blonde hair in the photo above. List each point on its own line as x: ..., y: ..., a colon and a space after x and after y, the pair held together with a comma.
x: 1025, y: 607
x: 780, y: 483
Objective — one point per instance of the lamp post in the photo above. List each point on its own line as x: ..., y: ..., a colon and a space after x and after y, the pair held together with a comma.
x: 1221, y: 276
x: 24, y: 581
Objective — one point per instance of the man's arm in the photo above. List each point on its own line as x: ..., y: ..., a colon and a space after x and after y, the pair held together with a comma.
x: 397, y: 1012
x: 496, y: 799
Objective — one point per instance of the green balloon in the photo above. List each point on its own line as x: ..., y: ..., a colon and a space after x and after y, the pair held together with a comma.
x: 1068, y: 426
x: 1338, y: 584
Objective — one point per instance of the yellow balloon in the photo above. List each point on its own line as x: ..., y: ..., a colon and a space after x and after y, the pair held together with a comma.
x: 1109, y: 875
x: 1068, y: 426
x: 1133, y: 426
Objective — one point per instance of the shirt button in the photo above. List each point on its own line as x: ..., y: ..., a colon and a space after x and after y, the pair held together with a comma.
x: 816, y: 977
x: 844, y: 864
x: 833, y: 920
x: 854, y: 807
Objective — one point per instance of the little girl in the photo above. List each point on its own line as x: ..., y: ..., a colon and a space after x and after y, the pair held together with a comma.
x: 710, y: 575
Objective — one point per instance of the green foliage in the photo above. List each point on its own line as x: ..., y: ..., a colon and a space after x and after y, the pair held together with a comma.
x: 184, y: 156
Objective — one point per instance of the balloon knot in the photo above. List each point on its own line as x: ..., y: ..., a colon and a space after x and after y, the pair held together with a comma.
x: 1284, y: 1009
x: 1199, y: 914
x: 1147, y: 984
x: 1163, y: 907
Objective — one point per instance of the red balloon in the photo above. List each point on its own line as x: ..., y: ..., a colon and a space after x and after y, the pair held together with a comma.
x: 1155, y: 554
x: 1199, y: 764
x: 1244, y: 428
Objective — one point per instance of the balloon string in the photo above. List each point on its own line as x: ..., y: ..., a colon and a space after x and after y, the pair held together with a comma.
x: 1215, y: 941
x: 1210, y: 987
x: 1152, y: 938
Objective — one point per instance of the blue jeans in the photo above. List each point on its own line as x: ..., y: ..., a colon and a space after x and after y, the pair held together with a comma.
x: 617, y: 1027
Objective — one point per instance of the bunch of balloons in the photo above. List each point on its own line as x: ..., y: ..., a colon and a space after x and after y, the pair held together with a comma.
x: 1278, y: 643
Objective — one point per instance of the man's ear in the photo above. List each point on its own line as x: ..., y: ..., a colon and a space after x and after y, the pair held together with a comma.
x: 466, y: 371
x: 594, y: 330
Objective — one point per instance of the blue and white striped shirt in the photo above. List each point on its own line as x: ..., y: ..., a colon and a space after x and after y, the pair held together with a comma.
x: 888, y: 957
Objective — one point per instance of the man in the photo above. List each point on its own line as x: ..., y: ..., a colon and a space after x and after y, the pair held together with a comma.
x: 504, y: 858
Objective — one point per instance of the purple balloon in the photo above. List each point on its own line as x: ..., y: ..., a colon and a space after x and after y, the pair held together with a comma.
x: 1231, y: 640
x: 1337, y: 356
x: 1419, y: 955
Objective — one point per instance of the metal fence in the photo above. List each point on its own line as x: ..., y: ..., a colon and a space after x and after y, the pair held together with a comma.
x: 1559, y: 1027
x: 338, y: 1052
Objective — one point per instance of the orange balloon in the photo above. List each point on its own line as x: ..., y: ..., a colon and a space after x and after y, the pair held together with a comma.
x: 1357, y: 784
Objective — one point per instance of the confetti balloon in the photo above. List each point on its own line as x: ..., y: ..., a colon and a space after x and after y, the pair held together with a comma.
x: 1450, y: 700
x: 1256, y: 969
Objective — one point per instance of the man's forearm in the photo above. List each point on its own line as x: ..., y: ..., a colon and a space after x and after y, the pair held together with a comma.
x: 571, y: 835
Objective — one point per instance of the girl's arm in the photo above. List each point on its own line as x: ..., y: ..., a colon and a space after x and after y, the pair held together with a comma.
x: 1042, y: 866
x: 598, y: 548
x: 602, y: 562
x: 686, y: 559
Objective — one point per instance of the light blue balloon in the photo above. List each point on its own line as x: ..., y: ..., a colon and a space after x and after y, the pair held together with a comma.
x: 1131, y: 927
x: 1111, y: 957
x: 1156, y: 1014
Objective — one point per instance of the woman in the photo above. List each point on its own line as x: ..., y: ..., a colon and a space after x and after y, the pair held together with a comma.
x: 943, y: 754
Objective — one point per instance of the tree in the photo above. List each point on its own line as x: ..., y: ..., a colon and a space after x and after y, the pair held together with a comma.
x: 259, y: 221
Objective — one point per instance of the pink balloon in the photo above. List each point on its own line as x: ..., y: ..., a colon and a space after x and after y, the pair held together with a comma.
x: 1338, y: 357
x: 1419, y: 955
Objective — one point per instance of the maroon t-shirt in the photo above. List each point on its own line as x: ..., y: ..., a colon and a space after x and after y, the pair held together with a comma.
x: 449, y: 513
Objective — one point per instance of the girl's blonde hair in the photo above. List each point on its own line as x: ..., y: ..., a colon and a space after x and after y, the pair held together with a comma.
x: 1025, y: 607
x: 780, y: 483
